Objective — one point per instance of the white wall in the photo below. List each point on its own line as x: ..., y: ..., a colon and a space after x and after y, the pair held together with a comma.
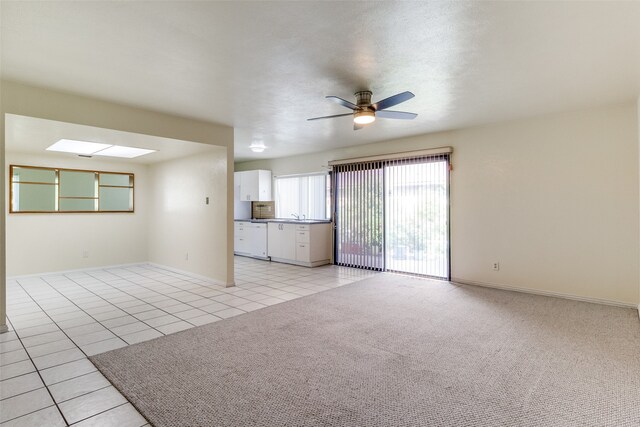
x: 38, y: 243
x: 554, y: 199
x: 181, y: 223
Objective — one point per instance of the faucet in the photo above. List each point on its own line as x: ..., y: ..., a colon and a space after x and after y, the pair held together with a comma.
x: 304, y: 217
x: 296, y: 216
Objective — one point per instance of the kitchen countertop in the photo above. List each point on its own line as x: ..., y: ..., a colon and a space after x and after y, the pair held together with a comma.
x: 289, y: 221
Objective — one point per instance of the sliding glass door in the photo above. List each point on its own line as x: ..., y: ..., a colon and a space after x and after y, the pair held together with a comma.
x: 359, y: 213
x: 417, y: 216
x: 393, y: 215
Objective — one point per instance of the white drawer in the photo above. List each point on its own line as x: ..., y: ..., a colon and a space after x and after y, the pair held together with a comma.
x: 302, y: 236
x: 302, y: 252
x: 302, y: 227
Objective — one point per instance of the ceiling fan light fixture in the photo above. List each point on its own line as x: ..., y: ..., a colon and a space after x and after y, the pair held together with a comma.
x: 364, y: 117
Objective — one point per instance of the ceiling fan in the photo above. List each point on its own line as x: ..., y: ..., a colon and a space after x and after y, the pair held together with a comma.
x: 364, y: 112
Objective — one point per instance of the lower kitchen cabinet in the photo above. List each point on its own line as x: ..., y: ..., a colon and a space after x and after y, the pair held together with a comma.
x: 302, y: 244
x: 241, y: 237
x: 281, y: 241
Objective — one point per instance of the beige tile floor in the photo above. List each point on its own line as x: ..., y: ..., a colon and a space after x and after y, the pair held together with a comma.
x: 58, y: 320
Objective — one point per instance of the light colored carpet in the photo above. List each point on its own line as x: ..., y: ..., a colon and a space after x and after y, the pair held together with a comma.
x: 393, y: 351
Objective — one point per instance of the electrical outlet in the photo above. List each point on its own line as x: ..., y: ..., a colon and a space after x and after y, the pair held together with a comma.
x: 186, y: 256
x: 496, y: 266
x: 207, y: 200
x: 85, y: 254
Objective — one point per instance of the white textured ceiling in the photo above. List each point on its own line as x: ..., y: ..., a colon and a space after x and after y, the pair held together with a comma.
x: 265, y: 67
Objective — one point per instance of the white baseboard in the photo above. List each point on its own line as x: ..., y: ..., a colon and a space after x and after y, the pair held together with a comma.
x: 190, y: 274
x: 546, y: 293
x: 77, y: 270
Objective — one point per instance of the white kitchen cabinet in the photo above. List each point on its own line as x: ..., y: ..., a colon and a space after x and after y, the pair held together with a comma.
x: 302, y: 244
x: 255, y: 186
x: 242, y: 237
x: 282, y: 241
x: 313, y: 244
x: 241, y: 209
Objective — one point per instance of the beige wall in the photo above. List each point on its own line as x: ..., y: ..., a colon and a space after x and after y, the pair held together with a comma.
x: 17, y: 98
x: 181, y: 222
x: 554, y: 200
x: 38, y: 243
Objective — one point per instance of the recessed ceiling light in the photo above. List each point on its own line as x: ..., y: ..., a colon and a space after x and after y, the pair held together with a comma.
x: 122, y: 151
x: 77, y: 147
x: 257, y: 147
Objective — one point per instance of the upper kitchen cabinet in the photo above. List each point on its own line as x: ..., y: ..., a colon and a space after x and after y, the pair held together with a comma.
x: 255, y: 185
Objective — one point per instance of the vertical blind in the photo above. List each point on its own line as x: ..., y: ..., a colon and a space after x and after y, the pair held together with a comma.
x: 417, y: 216
x: 394, y: 215
x: 359, y: 215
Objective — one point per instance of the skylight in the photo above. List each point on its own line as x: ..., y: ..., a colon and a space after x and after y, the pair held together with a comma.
x: 77, y: 147
x: 122, y: 151
x: 85, y: 148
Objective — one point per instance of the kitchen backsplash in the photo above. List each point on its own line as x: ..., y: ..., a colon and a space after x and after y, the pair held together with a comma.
x: 263, y: 210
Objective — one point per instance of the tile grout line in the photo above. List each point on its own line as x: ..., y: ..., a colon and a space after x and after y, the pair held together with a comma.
x: 107, y: 410
x: 56, y: 323
x: 31, y: 359
x: 41, y: 379
x: 77, y: 346
x: 96, y: 320
x: 180, y: 290
x: 89, y: 392
x: 139, y: 299
x: 150, y: 303
x: 178, y: 276
x: 59, y: 382
x: 209, y: 298
x: 154, y: 269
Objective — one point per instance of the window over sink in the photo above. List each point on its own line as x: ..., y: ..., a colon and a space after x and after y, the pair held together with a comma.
x: 305, y: 196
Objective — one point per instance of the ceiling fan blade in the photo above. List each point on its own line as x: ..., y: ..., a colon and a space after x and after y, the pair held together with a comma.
x: 392, y: 100
x: 387, y: 114
x: 330, y: 117
x: 342, y: 102
x: 357, y: 126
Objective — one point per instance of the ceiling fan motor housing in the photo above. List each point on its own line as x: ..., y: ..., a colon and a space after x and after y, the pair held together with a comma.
x: 363, y: 99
